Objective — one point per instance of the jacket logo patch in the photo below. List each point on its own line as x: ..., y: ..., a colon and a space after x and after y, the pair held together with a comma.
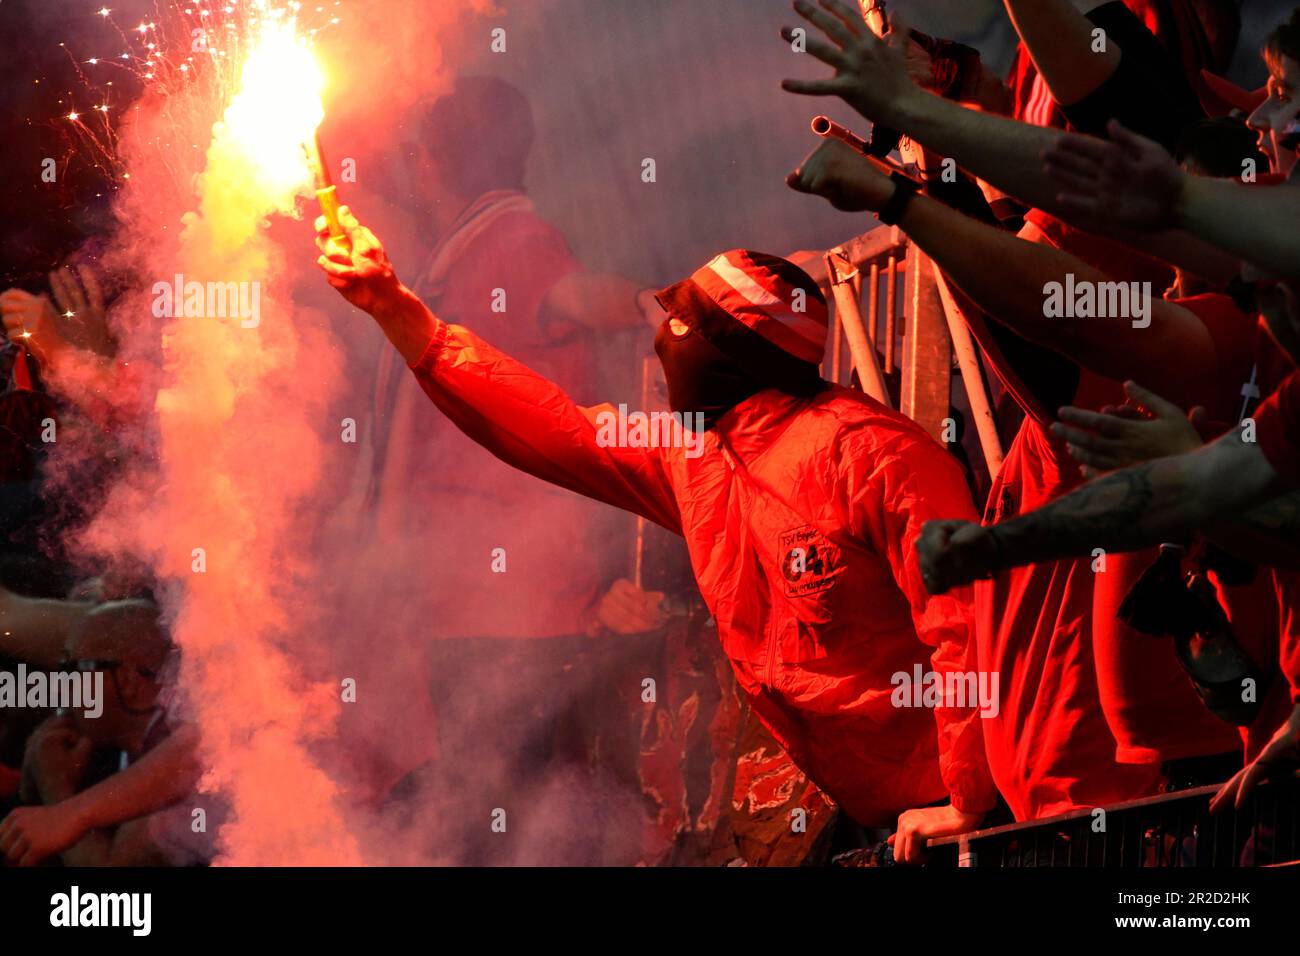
x: 807, y: 561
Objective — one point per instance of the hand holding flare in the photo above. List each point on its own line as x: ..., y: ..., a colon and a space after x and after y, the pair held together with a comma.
x: 326, y: 194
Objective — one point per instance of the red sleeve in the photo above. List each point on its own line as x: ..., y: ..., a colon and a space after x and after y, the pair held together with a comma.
x: 1277, y: 429
x: 897, y: 485
x: 530, y: 424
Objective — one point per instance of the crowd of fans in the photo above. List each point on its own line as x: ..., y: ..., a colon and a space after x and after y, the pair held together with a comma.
x: 1149, y: 486
x: 1130, y: 162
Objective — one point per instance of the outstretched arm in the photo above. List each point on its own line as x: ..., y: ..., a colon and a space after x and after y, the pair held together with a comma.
x: 1016, y: 292
x: 1151, y: 428
x: 35, y: 630
x: 1137, y: 507
x: 871, y: 76
x: 1133, y: 183
x: 161, y: 777
x: 520, y: 417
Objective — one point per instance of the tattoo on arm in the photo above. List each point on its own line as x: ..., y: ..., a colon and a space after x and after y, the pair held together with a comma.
x: 1280, y: 518
x: 1107, y: 513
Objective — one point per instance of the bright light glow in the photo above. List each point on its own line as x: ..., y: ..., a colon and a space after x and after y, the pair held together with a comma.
x: 277, y: 108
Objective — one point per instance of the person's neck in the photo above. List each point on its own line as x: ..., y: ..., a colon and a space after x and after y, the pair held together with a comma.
x: 447, y: 212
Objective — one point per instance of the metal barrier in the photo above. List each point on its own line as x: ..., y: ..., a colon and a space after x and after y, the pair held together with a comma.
x: 886, y: 269
x: 1169, y: 830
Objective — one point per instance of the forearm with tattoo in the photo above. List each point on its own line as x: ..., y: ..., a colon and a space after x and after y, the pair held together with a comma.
x: 1162, y: 500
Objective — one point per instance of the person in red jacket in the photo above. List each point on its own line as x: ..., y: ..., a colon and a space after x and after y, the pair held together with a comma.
x: 800, y: 502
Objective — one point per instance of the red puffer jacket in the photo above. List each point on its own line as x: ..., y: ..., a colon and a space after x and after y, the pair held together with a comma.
x: 815, y: 650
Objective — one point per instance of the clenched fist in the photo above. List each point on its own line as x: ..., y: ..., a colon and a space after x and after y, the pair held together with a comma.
x: 360, y: 270
x: 954, y: 553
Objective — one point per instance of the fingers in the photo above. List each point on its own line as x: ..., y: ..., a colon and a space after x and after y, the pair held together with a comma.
x: 1094, y: 462
x: 828, y: 54
x: 333, y: 250
x: 850, y: 16
x: 342, y: 271
x: 626, y: 609
x: 1074, y: 172
x: 59, y: 286
x: 1086, y: 183
x: 1074, y: 150
x: 30, y: 856
x: 1125, y: 138
x: 14, y: 300
x: 1151, y: 402
x: 901, y: 840
x: 900, y: 34
x: 76, y: 295
x: 831, y: 87
x: 907, y: 841
x: 833, y: 26
x: 94, y: 292
x: 1083, y: 439
x: 10, y: 833
x: 363, y: 241
x: 1126, y: 412
x: 1112, y: 426
x: 932, y: 551
x: 1250, y: 776
x: 1227, y: 793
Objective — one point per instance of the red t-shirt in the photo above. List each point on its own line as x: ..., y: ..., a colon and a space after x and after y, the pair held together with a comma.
x: 1149, y: 702
x: 1050, y: 749
x: 447, y: 502
x: 1277, y: 429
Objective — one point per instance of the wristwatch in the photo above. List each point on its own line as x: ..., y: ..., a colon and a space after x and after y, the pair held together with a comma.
x: 904, y: 189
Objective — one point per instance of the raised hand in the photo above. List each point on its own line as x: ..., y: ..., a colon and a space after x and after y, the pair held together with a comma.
x: 1120, y: 436
x: 1128, y: 182
x: 871, y: 75
x: 360, y: 271
x: 84, y: 322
